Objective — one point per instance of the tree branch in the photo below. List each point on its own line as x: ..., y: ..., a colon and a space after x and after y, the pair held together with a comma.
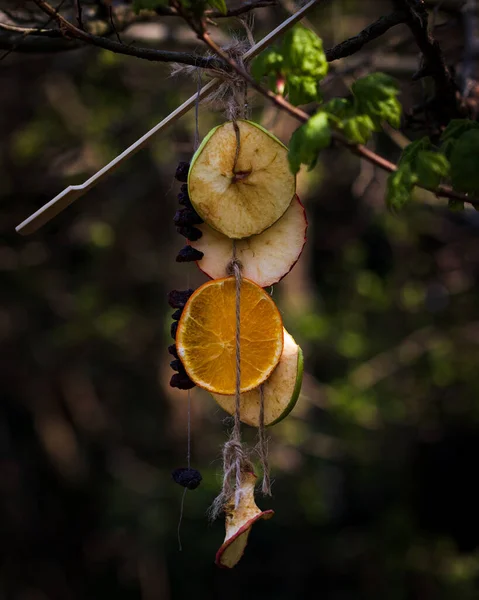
x: 371, y: 32
x: 447, y: 98
x: 168, y: 11
x: 300, y: 115
x: 146, y: 53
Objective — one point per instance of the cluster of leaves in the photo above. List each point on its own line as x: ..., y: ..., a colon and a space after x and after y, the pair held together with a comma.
x: 195, y: 7
x: 295, y: 68
x: 373, y: 100
x: 422, y: 163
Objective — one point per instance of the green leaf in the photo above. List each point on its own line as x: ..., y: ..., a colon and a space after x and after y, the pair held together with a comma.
x: 376, y: 96
x: 302, y: 89
x: 410, y: 152
x: 219, y: 5
x: 399, y: 187
x: 358, y: 129
x: 268, y: 62
x: 431, y: 167
x: 308, y: 140
x: 465, y: 162
x: 453, y: 132
x: 456, y: 128
x: 339, y: 107
x: 303, y: 53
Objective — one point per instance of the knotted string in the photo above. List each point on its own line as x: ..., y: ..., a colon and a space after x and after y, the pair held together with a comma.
x: 235, y: 458
x: 262, y: 447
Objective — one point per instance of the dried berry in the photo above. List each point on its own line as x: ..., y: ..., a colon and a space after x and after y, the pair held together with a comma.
x: 186, y: 217
x: 182, y: 171
x: 181, y: 381
x: 178, y: 298
x: 172, y: 350
x: 189, y: 254
x: 184, y: 199
x: 190, y: 233
x: 173, y: 329
x: 188, y: 478
x: 177, y: 314
x: 177, y: 365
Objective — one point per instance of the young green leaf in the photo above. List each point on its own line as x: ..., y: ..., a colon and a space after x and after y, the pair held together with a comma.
x: 410, y: 152
x: 431, y: 167
x: 342, y: 108
x: 358, y: 129
x: 302, y: 89
x: 376, y: 96
x: 268, y: 62
x: 303, y: 53
x: 457, y: 127
x: 399, y: 187
x: 308, y: 140
x: 464, y: 162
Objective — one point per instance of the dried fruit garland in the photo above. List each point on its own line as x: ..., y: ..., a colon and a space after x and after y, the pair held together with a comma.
x: 246, y: 229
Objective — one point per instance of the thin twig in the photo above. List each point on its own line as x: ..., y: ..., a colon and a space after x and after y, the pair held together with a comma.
x: 146, y: 53
x: 79, y: 14
x: 300, y: 115
x: 110, y: 11
x: 447, y: 105
x: 28, y: 32
x: 371, y: 32
x: 168, y: 11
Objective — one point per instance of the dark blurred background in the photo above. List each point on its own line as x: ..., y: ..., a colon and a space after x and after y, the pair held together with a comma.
x: 375, y: 470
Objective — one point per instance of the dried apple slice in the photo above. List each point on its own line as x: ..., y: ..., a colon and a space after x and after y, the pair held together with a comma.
x: 266, y: 258
x: 240, y: 191
x: 239, y: 521
x: 281, y: 389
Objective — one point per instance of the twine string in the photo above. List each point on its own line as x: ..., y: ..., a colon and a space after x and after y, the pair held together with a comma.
x: 197, y: 108
x: 262, y: 447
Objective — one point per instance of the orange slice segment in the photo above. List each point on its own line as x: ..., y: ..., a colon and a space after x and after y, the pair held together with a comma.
x: 205, y: 340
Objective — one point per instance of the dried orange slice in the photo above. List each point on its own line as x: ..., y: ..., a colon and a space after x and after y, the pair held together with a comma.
x: 205, y: 340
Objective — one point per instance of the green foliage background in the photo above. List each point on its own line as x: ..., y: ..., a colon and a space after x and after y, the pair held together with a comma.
x: 375, y: 493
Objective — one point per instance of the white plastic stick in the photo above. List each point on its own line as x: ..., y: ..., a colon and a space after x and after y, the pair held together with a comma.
x: 73, y: 192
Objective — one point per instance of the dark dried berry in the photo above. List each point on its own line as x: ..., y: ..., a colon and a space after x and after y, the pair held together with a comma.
x: 177, y: 314
x: 172, y: 350
x: 184, y: 188
x: 189, y: 254
x: 188, y: 478
x: 181, y: 381
x: 184, y: 199
x: 186, y: 217
x: 178, y: 298
x: 190, y: 233
x: 173, y: 329
x: 182, y: 171
x: 177, y: 365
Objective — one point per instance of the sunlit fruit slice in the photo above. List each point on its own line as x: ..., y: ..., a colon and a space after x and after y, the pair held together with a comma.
x: 239, y: 521
x: 266, y: 258
x: 281, y: 390
x: 205, y: 340
x: 240, y: 193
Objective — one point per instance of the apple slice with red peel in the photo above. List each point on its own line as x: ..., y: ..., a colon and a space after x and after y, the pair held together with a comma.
x: 266, y: 258
x: 281, y: 389
x: 240, y: 189
x: 239, y: 521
